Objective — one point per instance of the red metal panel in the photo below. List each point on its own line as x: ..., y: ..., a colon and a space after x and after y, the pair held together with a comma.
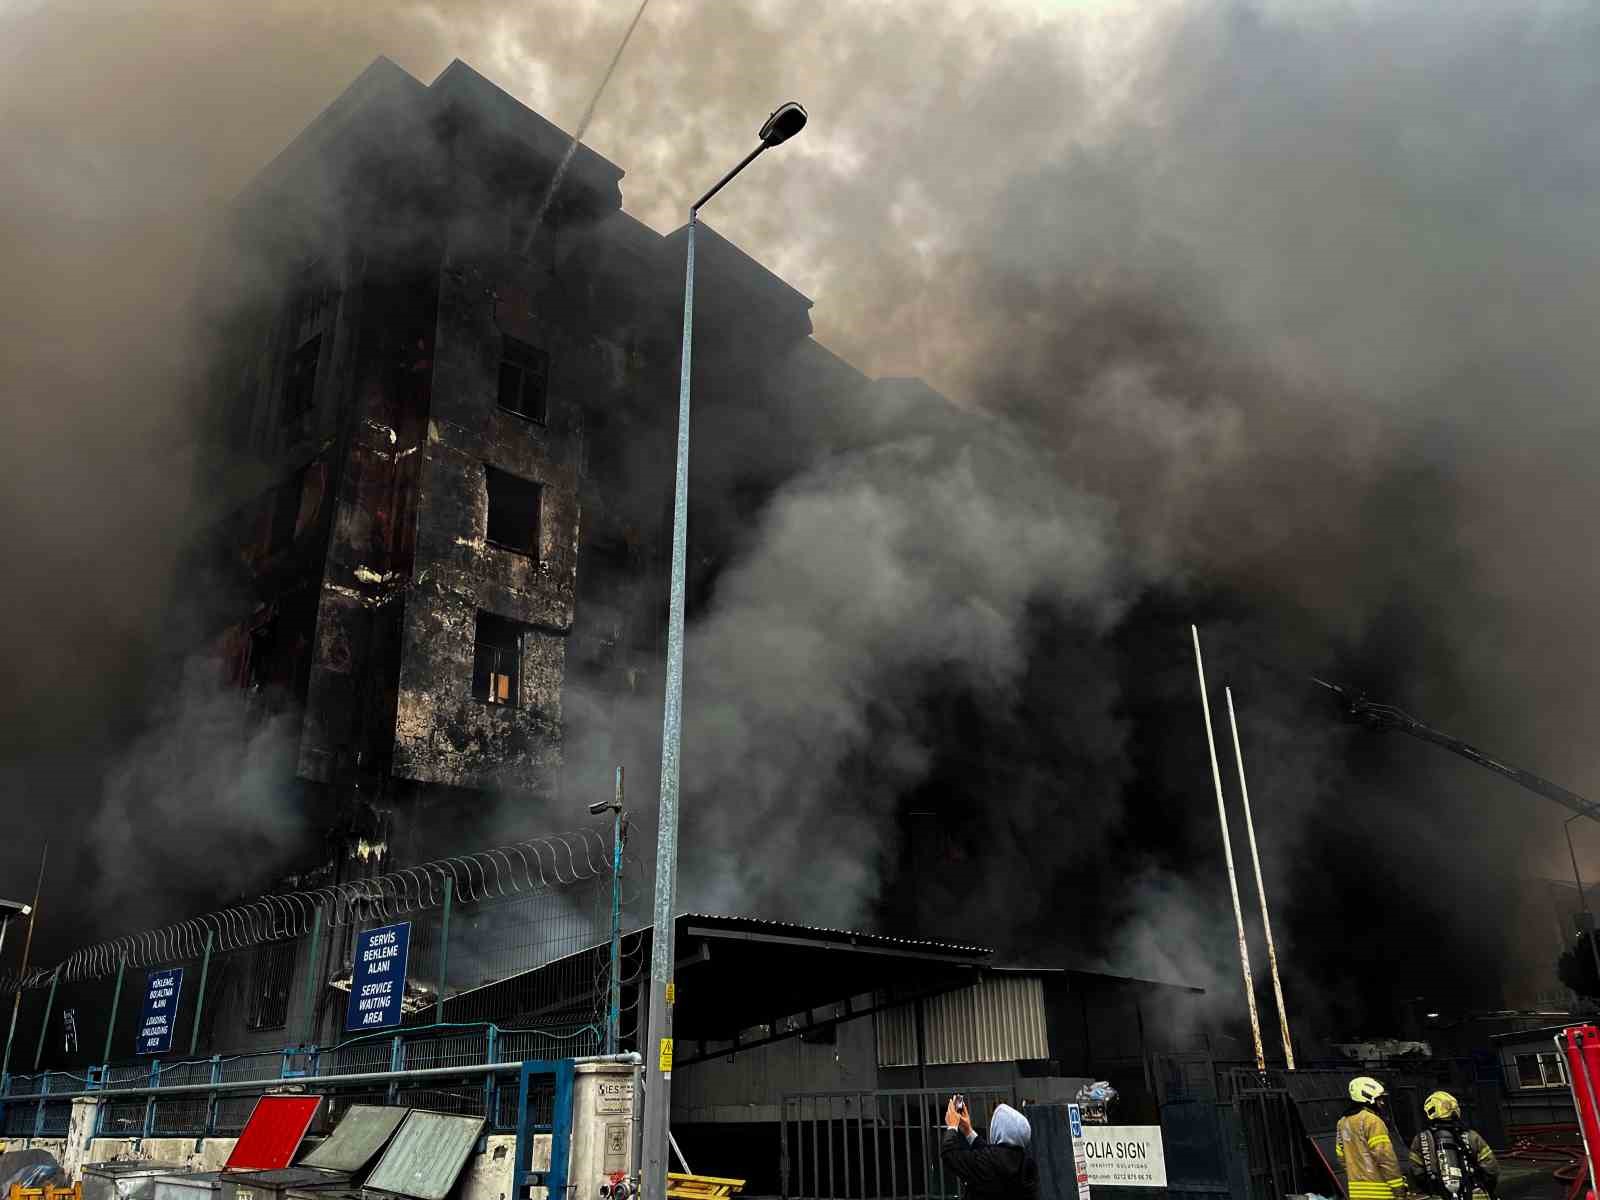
x: 273, y: 1133
x: 1580, y: 1044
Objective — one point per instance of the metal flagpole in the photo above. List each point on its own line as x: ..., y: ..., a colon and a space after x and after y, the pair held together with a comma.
x: 1261, y: 890
x: 1227, y: 850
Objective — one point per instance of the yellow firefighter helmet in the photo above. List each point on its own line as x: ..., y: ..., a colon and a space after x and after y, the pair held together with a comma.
x: 1364, y: 1089
x: 1441, y: 1106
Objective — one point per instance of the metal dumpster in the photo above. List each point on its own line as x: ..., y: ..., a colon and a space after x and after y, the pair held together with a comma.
x: 188, y: 1185
x: 426, y: 1155
x: 125, y: 1180
x: 363, y: 1131
x: 268, y: 1142
x: 272, y: 1185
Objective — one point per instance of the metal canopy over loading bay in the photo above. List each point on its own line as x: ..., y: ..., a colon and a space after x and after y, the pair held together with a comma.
x: 743, y: 982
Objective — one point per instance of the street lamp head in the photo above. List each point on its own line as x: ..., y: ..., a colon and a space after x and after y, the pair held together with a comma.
x: 13, y: 908
x: 783, y: 124
x: 598, y: 807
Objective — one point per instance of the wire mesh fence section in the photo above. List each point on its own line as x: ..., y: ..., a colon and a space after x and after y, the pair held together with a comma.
x: 174, y: 1116
x: 232, y: 1113
x: 514, y: 938
x: 122, y: 1118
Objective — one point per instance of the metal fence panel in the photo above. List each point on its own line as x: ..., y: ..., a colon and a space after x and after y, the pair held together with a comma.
x: 882, y: 1145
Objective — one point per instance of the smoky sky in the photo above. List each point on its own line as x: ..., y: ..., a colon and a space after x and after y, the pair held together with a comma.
x: 1272, y: 316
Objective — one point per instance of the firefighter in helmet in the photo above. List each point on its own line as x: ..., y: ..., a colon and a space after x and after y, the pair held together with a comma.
x: 1448, y: 1159
x: 1363, y: 1146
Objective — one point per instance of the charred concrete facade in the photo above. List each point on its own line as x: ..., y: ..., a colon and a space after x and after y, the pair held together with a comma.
x: 448, y: 432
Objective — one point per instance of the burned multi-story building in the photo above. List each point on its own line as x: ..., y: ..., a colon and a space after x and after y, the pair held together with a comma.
x: 452, y: 388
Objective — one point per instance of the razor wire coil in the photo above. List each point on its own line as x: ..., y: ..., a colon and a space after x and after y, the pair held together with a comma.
x: 530, y: 866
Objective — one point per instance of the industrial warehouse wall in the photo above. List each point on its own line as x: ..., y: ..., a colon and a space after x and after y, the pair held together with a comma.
x: 748, y: 1086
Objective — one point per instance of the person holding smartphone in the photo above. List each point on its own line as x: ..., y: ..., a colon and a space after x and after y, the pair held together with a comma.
x: 998, y: 1166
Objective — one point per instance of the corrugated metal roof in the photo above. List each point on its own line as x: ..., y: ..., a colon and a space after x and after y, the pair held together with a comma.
x: 363, y: 1131
x: 426, y: 1155
x: 757, y: 925
x: 848, y: 935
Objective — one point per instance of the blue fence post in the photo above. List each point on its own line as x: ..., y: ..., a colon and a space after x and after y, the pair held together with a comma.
x: 200, y: 994
x: 397, y: 1060
x: 312, y: 972
x: 216, y: 1068
x: 560, y: 1130
x: 116, y: 997
x: 444, y: 945
x: 44, y: 1026
x: 522, y: 1174
x: 491, y: 1089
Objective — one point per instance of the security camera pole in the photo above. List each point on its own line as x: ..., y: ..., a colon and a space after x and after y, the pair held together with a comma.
x: 782, y: 125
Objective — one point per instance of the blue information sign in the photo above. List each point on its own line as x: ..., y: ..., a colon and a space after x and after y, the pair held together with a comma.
x: 378, y: 983
x: 159, y: 1016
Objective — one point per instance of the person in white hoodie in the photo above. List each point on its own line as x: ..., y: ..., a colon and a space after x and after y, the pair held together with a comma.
x: 998, y: 1166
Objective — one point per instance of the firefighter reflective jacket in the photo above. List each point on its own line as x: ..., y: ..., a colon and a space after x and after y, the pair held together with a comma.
x: 1430, y: 1168
x: 1367, y: 1156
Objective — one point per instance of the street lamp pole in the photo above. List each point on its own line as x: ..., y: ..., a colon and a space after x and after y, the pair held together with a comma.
x: 779, y: 128
x: 1582, y: 901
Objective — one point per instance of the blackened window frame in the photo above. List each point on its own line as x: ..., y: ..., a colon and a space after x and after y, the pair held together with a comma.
x: 287, y: 500
x: 300, y: 380
x: 496, y: 644
x: 271, y: 978
x: 520, y: 363
x: 507, y: 495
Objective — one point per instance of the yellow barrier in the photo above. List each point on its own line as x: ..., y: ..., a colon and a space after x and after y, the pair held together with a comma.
x: 18, y: 1192
x: 702, y: 1187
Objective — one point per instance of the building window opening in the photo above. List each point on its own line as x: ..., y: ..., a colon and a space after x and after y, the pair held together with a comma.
x: 496, y: 660
x: 513, y: 512
x: 286, y: 512
x: 267, y: 1005
x: 313, y: 300
x: 300, y: 387
x: 1541, y: 1070
x: 524, y: 379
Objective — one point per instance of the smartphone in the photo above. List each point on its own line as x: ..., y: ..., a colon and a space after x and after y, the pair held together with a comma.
x: 960, y: 1102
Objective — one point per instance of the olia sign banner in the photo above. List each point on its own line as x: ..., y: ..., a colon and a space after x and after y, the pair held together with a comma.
x: 1123, y: 1155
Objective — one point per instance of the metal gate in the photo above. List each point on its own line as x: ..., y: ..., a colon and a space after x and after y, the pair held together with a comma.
x: 1277, y: 1157
x: 873, y: 1145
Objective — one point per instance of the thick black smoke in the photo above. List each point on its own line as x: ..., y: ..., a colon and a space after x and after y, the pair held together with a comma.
x: 1274, y: 317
